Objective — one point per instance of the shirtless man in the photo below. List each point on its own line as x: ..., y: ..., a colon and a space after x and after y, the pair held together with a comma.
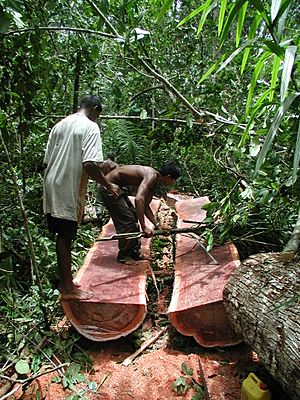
x: 125, y: 216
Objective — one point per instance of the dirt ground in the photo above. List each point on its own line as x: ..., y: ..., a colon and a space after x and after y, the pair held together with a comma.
x: 151, y: 376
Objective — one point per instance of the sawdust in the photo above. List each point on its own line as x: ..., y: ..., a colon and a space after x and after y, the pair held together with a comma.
x: 152, y: 375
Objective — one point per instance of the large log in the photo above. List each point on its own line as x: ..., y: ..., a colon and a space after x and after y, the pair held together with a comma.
x: 118, y: 304
x: 196, y: 307
x: 262, y: 299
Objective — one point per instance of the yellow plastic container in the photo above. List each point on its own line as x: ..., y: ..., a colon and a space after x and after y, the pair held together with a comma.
x: 254, y: 389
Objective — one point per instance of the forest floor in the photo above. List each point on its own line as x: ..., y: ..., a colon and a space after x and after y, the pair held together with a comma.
x: 172, y: 367
x: 158, y: 372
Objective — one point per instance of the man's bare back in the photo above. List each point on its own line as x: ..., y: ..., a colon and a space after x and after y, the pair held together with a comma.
x: 132, y: 175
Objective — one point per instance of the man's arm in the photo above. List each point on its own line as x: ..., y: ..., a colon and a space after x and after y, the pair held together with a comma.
x: 142, y: 201
x: 149, y: 214
x: 94, y: 171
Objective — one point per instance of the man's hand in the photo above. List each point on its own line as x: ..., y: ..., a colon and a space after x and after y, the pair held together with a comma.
x: 114, y: 190
x: 148, y: 232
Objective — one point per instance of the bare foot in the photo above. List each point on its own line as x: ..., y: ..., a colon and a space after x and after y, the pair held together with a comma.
x: 76, y: 294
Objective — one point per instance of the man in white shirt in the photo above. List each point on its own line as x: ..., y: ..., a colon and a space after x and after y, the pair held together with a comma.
x: 73, y: 154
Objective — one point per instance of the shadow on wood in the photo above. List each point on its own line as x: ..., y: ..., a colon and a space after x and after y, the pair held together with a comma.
x: 197, y: 307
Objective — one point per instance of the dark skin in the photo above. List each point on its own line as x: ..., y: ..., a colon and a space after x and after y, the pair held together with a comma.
x: 97, y: 172
x: 145, y: 178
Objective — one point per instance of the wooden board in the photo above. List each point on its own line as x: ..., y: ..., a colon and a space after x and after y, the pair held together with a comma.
x: 196, y: 307
x: 118, y: 304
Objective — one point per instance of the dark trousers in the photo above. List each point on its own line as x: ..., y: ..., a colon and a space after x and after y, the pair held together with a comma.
x: 124, y: 217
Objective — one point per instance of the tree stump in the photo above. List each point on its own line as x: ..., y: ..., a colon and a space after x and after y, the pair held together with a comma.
x: 262, y: 300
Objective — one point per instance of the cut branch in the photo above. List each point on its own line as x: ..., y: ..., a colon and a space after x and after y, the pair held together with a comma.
x: 144, y: 346
x: 172, y: 89
x: 32, y: 377
x: 197, y: 113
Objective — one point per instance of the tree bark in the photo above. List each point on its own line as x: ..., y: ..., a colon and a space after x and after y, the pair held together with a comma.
x: 262, y: 301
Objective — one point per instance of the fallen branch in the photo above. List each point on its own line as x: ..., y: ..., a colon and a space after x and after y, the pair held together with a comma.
x: 197, y: 238
x: 95, y: 7
x: 7, y: 386
x: 11, y: 392
x: 144, y: 346
x: 32, y: 377
x: 172, y: 88
x: 178, y: 121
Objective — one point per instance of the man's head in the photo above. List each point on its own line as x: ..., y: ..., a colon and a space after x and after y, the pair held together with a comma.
x: 169, y: 173
x: 92, y: 106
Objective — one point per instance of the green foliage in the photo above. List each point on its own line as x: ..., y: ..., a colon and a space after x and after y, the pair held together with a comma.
x: 187, y: 382
x: 74, y: 376
x: 235, y: 62
x: 22, y: 367
x: 128, y: 141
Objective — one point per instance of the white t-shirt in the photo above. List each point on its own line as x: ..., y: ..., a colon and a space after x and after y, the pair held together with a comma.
x: 72, y: 141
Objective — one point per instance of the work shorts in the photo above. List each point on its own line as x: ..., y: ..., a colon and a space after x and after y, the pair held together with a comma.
x: 62, y: 227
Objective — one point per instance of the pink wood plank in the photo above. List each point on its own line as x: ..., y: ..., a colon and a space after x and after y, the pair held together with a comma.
x: 118, y: 304
x: 196, y: 307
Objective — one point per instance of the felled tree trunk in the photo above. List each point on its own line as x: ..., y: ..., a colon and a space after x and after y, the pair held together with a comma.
x: 262, y: 299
